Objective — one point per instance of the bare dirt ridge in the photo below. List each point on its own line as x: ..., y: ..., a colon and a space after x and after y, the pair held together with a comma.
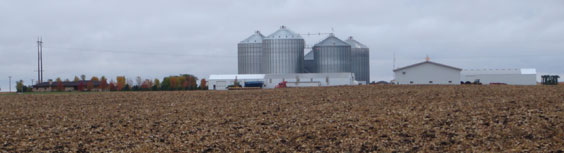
x: 330, y: 119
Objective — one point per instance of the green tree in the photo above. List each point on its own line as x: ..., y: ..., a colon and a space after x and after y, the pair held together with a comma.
x: 126, y: 88
x: 76, y: 79
x: 156, y: 84
x: 94, y: 78
x: 19, y: 86
x: 83, y: 77
x: 165, y: 85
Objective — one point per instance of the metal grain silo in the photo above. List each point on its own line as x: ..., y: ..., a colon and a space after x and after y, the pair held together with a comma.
x: 360, y: 60
x: 249, y: 54
x: 332, y: 55
x: 283, y: 52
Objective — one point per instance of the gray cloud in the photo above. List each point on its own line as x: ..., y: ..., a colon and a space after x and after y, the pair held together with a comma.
x: 155, y: 39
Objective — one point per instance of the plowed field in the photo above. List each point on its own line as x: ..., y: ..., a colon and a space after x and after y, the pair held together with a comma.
x: 331, y: 119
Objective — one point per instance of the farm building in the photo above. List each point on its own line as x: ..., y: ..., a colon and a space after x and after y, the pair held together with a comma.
x: 221, y: 82
x: 282, y: 52
x: 311, y: 79
x: 67, y: 86
x: 501, y: 76
x: 427, y: 72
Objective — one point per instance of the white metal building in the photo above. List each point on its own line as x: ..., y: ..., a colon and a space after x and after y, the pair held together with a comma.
x: 310, y: 79
x: 221, y: 82
x: 427, y: 72
x: 506, y: 76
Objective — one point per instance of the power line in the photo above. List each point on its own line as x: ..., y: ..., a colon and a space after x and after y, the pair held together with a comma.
x: 87, y: 50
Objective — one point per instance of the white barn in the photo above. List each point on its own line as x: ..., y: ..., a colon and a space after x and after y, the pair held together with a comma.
x: 427, y: 72
x: 505, y: 76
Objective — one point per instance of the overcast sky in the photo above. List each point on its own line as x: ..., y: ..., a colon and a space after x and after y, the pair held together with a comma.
x: 153, y: 39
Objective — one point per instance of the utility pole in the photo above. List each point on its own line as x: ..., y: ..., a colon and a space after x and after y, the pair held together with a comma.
x: 10, y: 79
x: 39, y: 60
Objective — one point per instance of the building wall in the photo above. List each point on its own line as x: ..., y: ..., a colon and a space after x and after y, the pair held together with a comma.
x: 249, y: 58
x: 310, y: 79
x: 511, y: 79
x: 360, y: 64
x: 309, y: 66
x: 69, y: 88
x: 45, y: 89
x: 221, y: 84
x: 332, y: 59
x: 423, y: 74
x: 282, y: 56
x: 293, y: 80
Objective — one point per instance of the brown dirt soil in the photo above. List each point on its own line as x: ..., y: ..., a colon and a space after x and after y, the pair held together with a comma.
x: 331, y: 119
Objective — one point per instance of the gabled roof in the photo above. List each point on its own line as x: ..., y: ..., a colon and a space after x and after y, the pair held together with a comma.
x: 354, y: 43
x: 427, y: 62
x: 332, y: 41
x: 255, y: 38
x: 284, y: 33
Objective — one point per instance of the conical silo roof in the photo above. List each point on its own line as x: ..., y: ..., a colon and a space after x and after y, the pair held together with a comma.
x: 355, y: 44
x: 255, y: 38
x: 284, y: 33
x: 332, y: 41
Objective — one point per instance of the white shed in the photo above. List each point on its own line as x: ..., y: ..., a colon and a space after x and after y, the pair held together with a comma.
x: 427, y: 72
x: 310, y: 79
x: 506, y: 76
x: 221, y: 81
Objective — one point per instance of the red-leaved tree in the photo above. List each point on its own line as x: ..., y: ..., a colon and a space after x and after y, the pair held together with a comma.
x: 81, y: 86
x: 103, y: 84
x: 89, y: 85
x: 59, y: 85
x: 203, y: 84
x: 112, y: 86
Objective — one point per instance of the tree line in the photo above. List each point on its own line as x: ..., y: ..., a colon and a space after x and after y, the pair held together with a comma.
x: 170, y: 83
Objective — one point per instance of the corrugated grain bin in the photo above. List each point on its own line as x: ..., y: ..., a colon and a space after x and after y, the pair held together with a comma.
x: 360, y: 60
x: 249, y: 54
x: 283, y: 52
x: 332, y: 55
